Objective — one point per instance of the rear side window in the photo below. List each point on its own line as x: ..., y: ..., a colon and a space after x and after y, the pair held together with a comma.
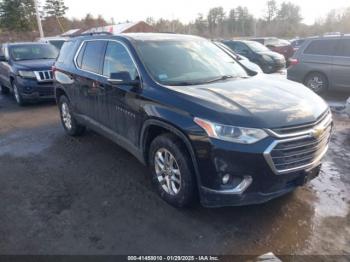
x: 344, y: 48
x: 93, y: 55
x: 65, y: 52
x: 321, y: 47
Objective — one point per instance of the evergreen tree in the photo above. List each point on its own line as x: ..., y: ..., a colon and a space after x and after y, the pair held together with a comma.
x: 55, y: 8
x: 17, y: 15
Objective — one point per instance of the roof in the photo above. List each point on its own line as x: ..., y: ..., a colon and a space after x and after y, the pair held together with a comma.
x: 144, y: 37
x: 27, y: 43
x: 71, y: 32
x: 115, y: 29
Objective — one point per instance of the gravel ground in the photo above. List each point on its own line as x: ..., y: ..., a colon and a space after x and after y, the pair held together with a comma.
x: 61, y: 195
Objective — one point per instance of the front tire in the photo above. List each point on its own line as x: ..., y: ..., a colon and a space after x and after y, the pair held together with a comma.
x: 172, y: 171
x: 4, y: 90
x: 17, y: 95
x: 70, y: 124
x: 317, y: 82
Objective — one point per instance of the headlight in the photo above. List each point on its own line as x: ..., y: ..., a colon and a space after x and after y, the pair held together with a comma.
x: 27, y: 74
x: 234, y: 134
x: 267, y: 58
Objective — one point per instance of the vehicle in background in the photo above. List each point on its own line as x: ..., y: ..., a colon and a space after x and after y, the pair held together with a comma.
x: 297, y: 43
x: 347, y: 107
x: 277, y: 45
x: 207, y: 127
x: 55, y: 41
x: 322, y: 63
x: 25, y: 71
x: 267, y: 60
x: 241, y: 59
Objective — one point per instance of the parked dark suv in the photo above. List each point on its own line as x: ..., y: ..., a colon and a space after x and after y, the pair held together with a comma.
x: 269, y: 61
x: 188, y: 110
x: 322, y: 63
x: 25, y: 70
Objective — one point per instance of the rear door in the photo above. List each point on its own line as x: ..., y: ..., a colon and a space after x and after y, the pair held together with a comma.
x: 341, y: 66
x: 90, y: 97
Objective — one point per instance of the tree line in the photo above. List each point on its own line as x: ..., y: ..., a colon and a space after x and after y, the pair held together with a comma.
x: 17, y: 17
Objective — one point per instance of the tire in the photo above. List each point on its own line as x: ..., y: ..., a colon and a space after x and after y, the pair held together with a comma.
x: 17, y: 94
x: 317, y: 82
x: 70, y: 124
x: 175, y: 183
x: 4, y: 90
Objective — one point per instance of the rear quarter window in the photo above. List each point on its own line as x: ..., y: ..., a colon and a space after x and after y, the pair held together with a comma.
x: 65, y: 53
x: 321, y: 47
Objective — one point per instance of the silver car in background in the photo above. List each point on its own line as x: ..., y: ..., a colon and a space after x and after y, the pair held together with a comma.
x: 322, y: 63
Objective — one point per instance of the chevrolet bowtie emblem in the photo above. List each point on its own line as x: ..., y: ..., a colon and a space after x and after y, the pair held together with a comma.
x: 317, y: 132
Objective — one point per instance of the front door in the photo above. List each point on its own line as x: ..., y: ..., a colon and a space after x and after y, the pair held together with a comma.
x: 123, y: 101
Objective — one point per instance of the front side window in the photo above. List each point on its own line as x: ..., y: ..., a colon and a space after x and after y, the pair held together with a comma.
x: 118, y: 61
x: 33, y: 52
x: 321, y: 47
x: 186, y: 62
x: 92, y: 56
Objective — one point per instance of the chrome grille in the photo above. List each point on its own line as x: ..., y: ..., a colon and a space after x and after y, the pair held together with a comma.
x: 302, y: 151
x: 44, y: 76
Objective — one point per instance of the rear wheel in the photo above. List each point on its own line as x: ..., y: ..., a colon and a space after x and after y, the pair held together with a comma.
x: 172, y: 171
x: 70, y: 124
x: 317, y: 82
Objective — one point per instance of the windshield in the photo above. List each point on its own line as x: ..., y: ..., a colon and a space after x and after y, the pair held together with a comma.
x: 256, y: 47
x: 32, y: 52
x: 186, y: 62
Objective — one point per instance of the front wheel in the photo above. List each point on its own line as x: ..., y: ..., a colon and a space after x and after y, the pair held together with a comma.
x: 17, y: 95
x: 4, y: 90
x: 70, y: 124
x: 172, y: 171
x: 317, y: 82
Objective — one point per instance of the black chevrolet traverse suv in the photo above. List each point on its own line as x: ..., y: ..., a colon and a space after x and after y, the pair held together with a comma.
x: 204, y: 125
x: 25, y: 70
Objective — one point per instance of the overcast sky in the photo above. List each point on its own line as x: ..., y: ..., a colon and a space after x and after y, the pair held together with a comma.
x: 187, y: 10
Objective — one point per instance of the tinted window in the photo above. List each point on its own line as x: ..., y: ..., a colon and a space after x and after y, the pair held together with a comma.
x: 241, y: 48
x: 64, y: 53
x: 93, y: 56
x: 344, y: 48
x: 57, y: 43
x: 118, y: 60
x: 321, y: 47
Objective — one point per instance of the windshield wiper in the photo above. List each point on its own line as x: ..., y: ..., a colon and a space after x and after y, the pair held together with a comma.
x: 221, y: 78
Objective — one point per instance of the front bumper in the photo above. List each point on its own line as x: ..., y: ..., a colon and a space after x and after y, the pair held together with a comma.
x: 31, y: 89
x: 218, y: 158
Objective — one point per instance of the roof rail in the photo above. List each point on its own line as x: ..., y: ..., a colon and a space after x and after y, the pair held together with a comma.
x: 92, y: 34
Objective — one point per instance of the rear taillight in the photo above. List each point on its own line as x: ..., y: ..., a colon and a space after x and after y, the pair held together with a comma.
x: 293, y: 61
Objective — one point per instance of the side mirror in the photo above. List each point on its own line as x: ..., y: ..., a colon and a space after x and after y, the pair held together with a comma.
x: 123, y: 78
x: 3, y: 58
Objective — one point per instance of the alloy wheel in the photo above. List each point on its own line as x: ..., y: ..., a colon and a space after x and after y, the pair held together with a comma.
x: 66, y: 116
x: 316, y: 84
x: 167, y: 171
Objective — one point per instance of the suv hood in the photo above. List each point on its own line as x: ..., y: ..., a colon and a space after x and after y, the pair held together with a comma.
x: 261, y: 101
x: 39, y: 64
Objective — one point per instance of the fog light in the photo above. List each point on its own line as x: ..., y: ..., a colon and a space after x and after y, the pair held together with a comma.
x: 226, y: 179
